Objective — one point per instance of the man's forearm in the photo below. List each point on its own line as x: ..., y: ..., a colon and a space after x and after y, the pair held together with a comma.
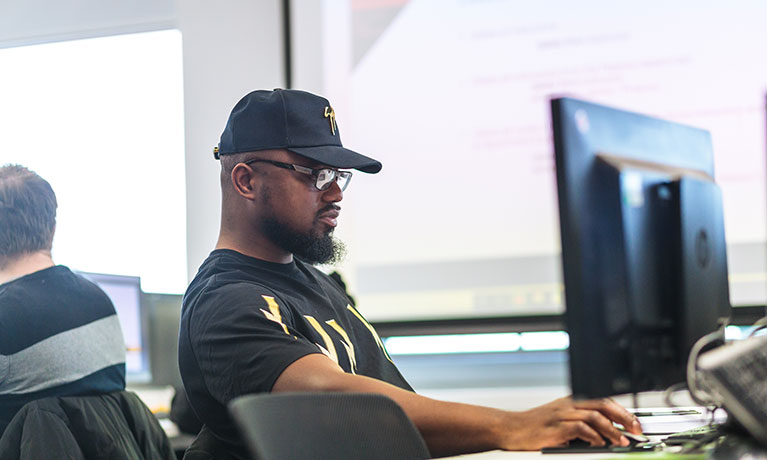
x: 453, y: 428
x: 448, y: 428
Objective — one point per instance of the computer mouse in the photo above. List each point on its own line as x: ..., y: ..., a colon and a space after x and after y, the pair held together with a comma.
x: 635, y: 438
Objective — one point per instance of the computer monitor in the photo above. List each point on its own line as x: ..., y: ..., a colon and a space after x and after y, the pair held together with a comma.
x: 125, y: 293
x: 643, y: 246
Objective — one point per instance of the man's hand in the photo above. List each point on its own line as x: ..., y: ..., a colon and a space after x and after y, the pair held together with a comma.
x: 562, y: 420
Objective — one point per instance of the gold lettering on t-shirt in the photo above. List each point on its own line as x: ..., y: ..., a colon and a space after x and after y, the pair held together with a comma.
x: 346, y: 343
x: 274, y: 312
x: 329, y: 349
x: 372, y: 331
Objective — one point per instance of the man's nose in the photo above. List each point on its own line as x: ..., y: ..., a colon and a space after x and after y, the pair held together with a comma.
x: 333, y: 194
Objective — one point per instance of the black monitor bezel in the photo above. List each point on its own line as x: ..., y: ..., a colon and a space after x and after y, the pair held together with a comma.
x: 584, y: 131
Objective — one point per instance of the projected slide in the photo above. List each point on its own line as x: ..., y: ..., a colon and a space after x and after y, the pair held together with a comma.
x: 452, y: 97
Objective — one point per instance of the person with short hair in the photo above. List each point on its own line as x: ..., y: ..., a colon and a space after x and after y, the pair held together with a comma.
x: 259, y: 317
x: 59, y: 333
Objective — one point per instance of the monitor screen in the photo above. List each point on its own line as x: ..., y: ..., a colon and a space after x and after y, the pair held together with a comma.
x: 643, y: 248
x: 125, y: 293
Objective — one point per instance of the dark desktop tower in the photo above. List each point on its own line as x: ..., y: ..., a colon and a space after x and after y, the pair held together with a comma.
x: 643, y: 246
x: 704, y: 293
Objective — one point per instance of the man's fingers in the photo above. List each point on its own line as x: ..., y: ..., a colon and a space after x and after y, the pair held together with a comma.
x: 614, y: 412
x: 598, y: 422
x: 579, y: 429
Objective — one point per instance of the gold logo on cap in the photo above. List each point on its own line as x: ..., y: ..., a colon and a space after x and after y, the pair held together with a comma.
x: 331, y: 115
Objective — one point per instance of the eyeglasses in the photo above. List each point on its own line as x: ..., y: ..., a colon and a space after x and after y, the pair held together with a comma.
x: 324, y: 177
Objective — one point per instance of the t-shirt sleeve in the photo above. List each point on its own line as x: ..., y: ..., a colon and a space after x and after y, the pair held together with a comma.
x: 243, y: 338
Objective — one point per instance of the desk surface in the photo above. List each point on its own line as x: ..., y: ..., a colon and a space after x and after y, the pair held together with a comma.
x: 735, y: 446
x: 500, y: 455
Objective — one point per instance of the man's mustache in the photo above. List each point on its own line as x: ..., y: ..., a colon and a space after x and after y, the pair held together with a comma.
x: 330, y: 207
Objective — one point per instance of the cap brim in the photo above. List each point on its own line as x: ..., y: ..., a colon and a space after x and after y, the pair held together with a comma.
x: 338, y: 157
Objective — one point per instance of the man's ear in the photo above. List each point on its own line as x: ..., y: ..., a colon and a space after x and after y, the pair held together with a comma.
x: 243, y: 180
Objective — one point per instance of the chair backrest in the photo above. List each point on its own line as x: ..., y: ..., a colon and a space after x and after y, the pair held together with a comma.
x: 338, y: 426
x: 114, y: 425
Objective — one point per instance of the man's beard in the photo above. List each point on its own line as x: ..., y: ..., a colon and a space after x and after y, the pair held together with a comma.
x: 312, y: 248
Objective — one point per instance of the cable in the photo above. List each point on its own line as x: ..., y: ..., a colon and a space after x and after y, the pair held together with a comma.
x: 696, y: 393
x: 758, y: 326
x: 692, y: 370
x: 670, y: 391
x: 713, y: 415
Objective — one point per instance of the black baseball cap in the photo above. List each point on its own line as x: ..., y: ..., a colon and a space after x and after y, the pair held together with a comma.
x: 294, y: 120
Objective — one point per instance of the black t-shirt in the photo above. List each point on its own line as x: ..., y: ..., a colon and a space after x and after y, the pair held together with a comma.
x: 245, y: 320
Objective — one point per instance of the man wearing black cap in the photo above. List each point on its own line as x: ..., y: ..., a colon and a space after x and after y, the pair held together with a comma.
x: 258, y: 317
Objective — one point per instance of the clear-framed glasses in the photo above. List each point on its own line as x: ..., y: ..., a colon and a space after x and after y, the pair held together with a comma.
x: 324, y: 177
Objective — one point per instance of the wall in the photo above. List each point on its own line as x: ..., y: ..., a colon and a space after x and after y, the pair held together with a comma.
x: 27, y: 22
x: 230, y: 48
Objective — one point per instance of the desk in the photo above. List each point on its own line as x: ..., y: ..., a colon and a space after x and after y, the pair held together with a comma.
x: 500, y: 455
x: 734, y: 447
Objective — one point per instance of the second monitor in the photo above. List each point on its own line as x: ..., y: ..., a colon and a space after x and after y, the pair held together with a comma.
x: 125, y: 293
x: 643, y: 246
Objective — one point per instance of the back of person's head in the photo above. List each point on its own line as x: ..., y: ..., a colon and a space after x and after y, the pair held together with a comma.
x: 27, y: 213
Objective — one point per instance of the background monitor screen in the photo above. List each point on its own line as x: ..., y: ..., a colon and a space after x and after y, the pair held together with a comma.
x: 125, y: 293
x: 643, y: 246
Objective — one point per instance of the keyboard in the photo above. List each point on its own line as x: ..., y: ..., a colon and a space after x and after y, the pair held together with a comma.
x: 737, y: 376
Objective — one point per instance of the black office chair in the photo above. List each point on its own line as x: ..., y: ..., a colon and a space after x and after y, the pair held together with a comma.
x: 117, y: 426
x: 338, y: 426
